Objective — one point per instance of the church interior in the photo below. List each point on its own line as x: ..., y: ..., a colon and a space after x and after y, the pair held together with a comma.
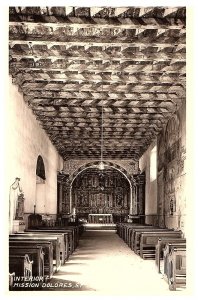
x: 96, y: 163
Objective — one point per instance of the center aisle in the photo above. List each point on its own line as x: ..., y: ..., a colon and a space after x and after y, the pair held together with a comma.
x: 104, y: 264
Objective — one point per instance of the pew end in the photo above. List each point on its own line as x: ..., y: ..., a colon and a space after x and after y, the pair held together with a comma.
x: 177, y: 268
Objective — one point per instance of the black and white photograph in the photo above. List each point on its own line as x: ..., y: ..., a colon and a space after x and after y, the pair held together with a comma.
x: 96, y: 158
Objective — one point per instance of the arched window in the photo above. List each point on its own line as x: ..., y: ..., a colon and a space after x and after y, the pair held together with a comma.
x: 40, y: 168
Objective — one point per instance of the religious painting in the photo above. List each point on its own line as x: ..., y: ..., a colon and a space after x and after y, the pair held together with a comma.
x: 160, y: 199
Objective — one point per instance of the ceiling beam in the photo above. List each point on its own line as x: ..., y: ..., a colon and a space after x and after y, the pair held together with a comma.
x: 171, y: 60
x: 132, y: 66
x: 147, y: 95
x: 116, y: 114
x: 122, y: 45
x: 74, y: 116
x: 99, y: 12
x: 179, y: 90
x: 133, y: 38
x: 95, y: 53
x: 100, y: 102
x: 95, y: 78
x: 74, y: 24
x: 113, y: 109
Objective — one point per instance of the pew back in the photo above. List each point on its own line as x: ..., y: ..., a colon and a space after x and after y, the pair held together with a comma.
x: 60, y: 237
x: 136, y: 235
x: 38, y: 239
x: 148, y: 240
x: 71, y: 234
x: 68, y: 241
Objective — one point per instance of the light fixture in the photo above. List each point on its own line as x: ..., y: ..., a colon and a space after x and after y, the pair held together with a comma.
x: 101, y: 165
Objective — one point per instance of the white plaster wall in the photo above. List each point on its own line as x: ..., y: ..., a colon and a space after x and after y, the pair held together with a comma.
x: 25, y: 140
x: 151, y: 185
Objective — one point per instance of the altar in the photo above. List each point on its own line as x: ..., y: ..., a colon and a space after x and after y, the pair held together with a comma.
x: 100, y: 218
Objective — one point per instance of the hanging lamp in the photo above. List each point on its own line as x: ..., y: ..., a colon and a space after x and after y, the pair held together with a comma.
x: 101, y: 165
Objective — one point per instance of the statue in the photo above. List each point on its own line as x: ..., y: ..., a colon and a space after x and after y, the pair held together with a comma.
x: 20, y: 208
x: 16, y: 202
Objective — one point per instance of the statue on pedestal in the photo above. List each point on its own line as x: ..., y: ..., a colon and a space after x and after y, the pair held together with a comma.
x: 20, y: 208
x: 16, y: 202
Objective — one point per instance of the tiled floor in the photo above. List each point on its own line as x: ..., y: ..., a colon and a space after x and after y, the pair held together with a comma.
x: 104, y: 264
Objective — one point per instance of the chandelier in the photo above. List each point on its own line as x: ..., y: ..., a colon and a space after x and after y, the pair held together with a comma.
x: 101, y: 164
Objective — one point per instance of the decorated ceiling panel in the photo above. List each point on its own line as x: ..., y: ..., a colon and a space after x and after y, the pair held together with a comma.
x: 71, y: 63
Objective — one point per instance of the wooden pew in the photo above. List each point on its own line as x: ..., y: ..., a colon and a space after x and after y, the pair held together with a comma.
x: 81, y: 229
x: 177, y: 268
x: 133, y: 228
x: 148, y: 241
x: 136, y: 234
x: 21, y: 265
x: 126, y: 230
x: 47, y: 247
x: 129, y: 230
x: 54, y: 240
x: 167, y: 250
x: 76, y: 235
x: 69, y: 232
x: 78, y: 228
x: 123, y: 230
x: 69, y: 229
x: 76, y: 231
x: 35, y: 254
x: 118, y: 226
x: 59, y: 235
x: 160, y: 247
x: 66, y: 235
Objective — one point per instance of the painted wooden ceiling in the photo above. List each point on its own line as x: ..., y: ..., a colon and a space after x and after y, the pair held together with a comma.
x: 71, y: 63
